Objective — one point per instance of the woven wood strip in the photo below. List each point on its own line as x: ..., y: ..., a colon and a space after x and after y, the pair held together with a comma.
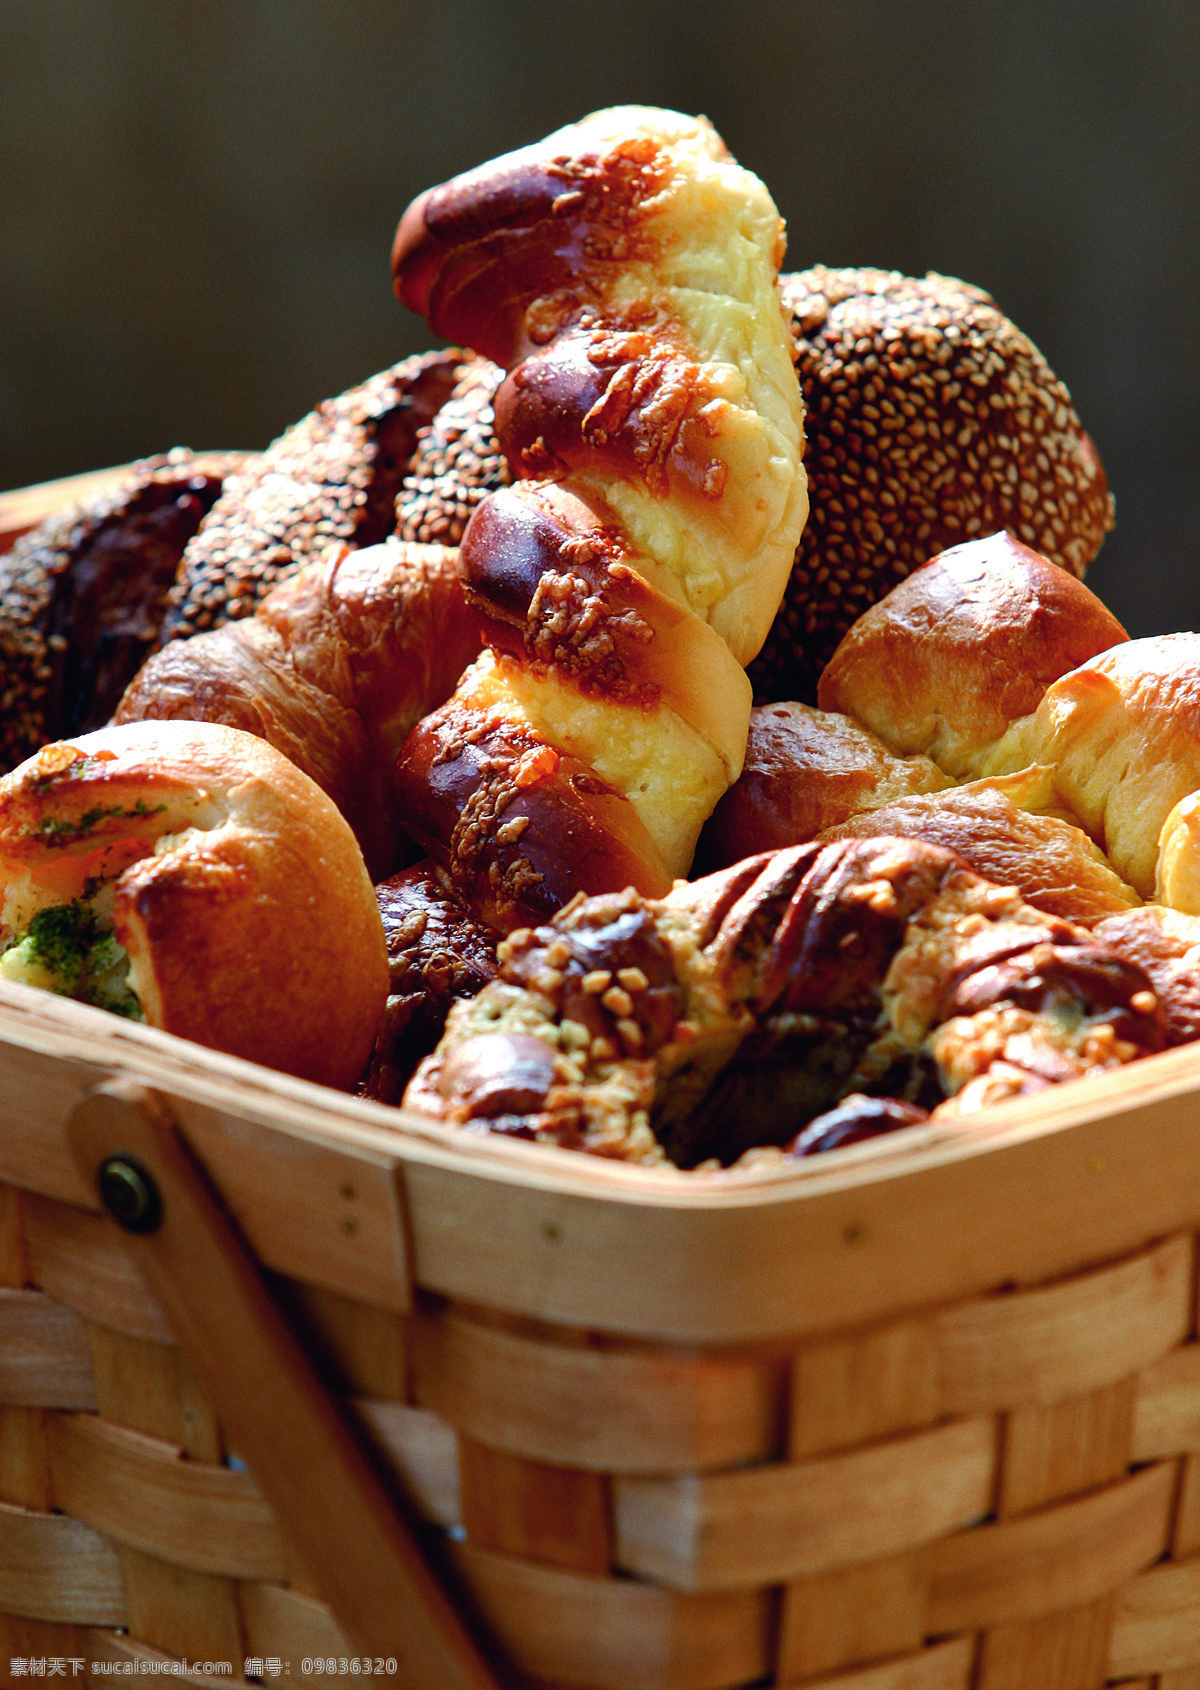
x: 1066, y: 1448
x: 54, y: 1568
x: 44, y: 1357
x: 77, y: 1258
x: 1061, y: 1340
x: 140, y: 1491
x: 357, y: 1347
x: 615, y: 1410
x: 761, y: 1525
x: 560, y: 1516
x: 1166, y: 1416
x: 853, y: 1615
x: 616, y: 1634
x: 149, y: 1387
x: 285, y: 1623
x: 107, y: 1646
x: 39, y: 1093
x: 421, y: 1451
x: 24, y: 1465
x: 194, y: 1615
x: 1064, y: 1651
x: 945, y: 1666
x: 1157, y: 1625
x: 1058, y: 1558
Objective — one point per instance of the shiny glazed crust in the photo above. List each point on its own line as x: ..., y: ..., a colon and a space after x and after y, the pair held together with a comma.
x: 238, y: 891
x: 624, y: 272
x: 334, y: 670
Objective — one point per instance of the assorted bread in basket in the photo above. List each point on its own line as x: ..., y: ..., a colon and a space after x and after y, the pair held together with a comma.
x: 497, y: 607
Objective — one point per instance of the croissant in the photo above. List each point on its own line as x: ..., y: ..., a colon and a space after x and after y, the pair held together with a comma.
x: 742, y: 1007
x: 624, y: 270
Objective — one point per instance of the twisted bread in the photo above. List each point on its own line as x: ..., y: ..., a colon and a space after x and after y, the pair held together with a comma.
x: 738, y: 1008
x: 333, y: 671
x: 189, y: 875
x: 624, y: 270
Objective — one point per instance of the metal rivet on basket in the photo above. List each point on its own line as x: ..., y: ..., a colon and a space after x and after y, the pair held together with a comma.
x: 129, y: 1194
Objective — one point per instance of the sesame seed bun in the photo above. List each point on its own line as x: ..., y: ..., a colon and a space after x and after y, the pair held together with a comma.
x: 930, y: 420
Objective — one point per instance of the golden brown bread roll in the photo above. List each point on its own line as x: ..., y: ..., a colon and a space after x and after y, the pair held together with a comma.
x: 334, y: 669
x: 952, y: 656
x: 930, y: 419
x: 624, y: 271
x: 1122, y: 734
x: 187, y: 874
x: 735, y: 1010
x: 999, y: 827
x: 805, y: 772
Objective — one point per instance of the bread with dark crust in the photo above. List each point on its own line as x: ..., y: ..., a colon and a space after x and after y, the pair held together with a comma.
x: 189, y: 874
x: 82, y: 597
x: 729, y: 1014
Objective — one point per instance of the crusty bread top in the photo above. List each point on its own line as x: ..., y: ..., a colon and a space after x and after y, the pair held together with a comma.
x: 240, y: 894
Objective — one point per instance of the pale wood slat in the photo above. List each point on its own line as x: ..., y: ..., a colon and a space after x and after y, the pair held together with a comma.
x: 1066, y: 1651
x: 142, y: 1492
x: 1185, y: 1536
x: 781, y: 1521
x: 283, y: 1622
x: 44, y: 1359
x: 616, y: 1410
x: 945, y: 1666
x: 1166, y: 1417
x: 24, y: 1465
x: 40, y: 1638
x: 422, y: 1452
x: 38, y: 1094
x: 1157, y: 1622
x: 617, y: 1634
x: 149, y: 1387
x: 357, y: 1347
x: 55, y: 1568
x: 195, y: 1615
x: 871, y: 1385
x: 1061, y: 1340
x: 853, y: 1615
x: 110, y: 1646
x: 1064, y: 1448
x: 1062, y: 1557
x: 78, y: 1259
x: 555, y: 1515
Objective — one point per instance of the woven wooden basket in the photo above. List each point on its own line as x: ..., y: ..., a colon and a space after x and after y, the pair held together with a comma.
x: 921, y: 1415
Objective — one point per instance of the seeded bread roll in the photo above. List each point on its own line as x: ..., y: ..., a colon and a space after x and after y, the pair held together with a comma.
x: 955, y: 654
x: 931, y: 419
x: 333, y: 477
x: 624, y: 271
x: 83, y: 595
x: 188, y: 875
x: 734, y: 1011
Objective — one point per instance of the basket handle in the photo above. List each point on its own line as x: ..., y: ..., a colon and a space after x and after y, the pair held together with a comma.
x: 279, y: 1415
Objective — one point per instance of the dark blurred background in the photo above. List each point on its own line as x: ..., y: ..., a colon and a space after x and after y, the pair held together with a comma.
x: 197, y: 202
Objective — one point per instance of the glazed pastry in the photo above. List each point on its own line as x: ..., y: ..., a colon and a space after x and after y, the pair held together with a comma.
x: 945, y: 663
x: 740, y: 1007
x: 82, y: 598
x: 437, y: 954
x: 931, y: 419
x: 624, y: 272
x: 333, y: 671
x: 189, y: 876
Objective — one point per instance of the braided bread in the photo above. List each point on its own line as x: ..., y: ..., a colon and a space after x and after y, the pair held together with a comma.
x: 624, y: 270
x: 740, y: 1007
